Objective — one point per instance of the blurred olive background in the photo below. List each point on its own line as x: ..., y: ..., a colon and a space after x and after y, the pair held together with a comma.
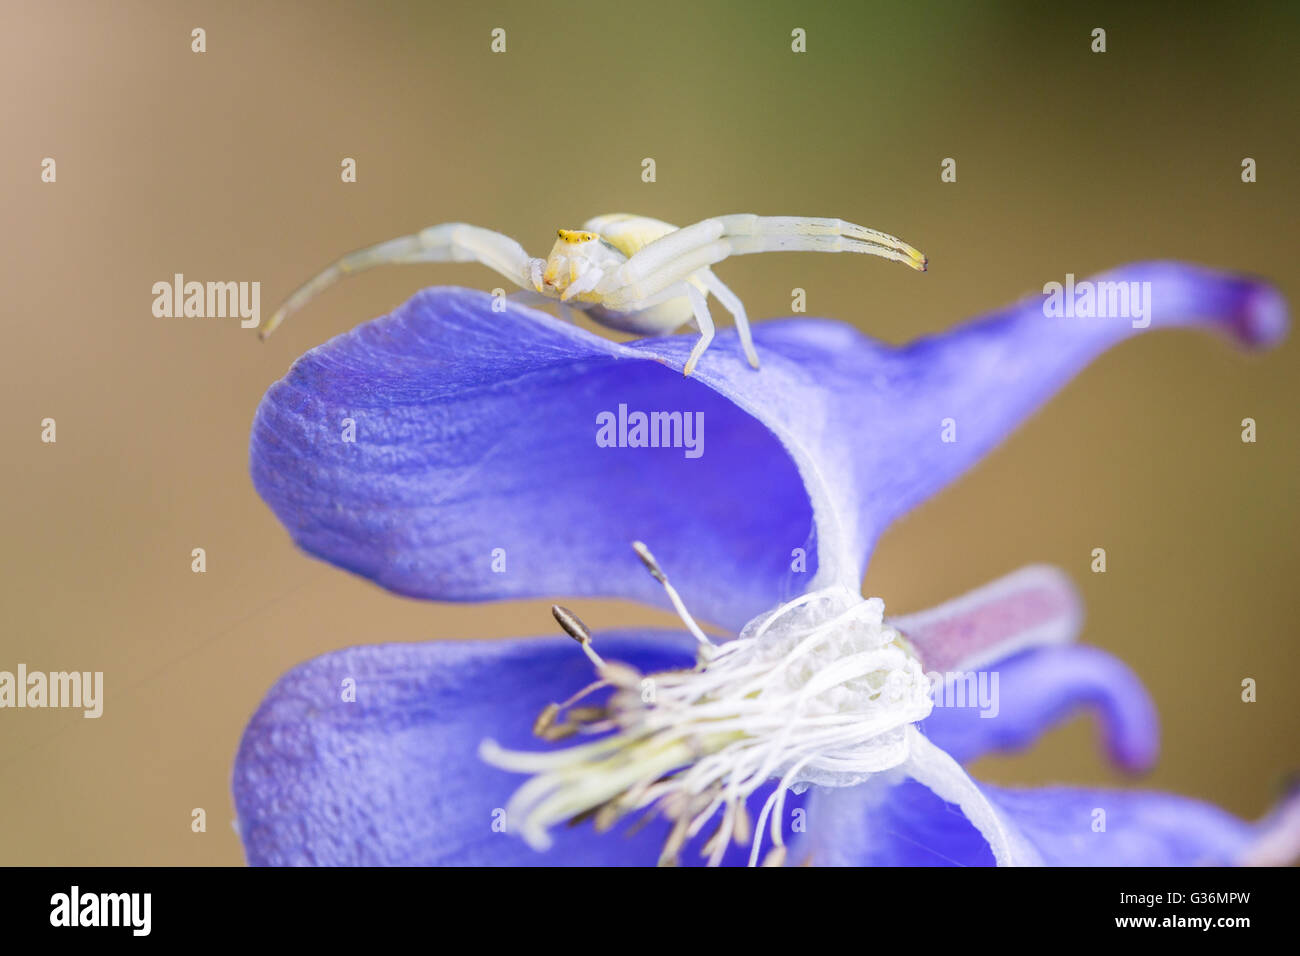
x: 225, y: 166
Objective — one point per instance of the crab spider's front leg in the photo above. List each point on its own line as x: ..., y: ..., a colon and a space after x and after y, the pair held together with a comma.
x: 798, y: 234
x: 679, y: 254
x: 664, y: 263
x: 449, y: 242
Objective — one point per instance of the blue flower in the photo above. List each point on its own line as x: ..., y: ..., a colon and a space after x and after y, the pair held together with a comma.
x: 450, y: 451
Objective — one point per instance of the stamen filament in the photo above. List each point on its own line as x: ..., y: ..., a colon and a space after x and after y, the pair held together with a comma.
x: 649, y: 561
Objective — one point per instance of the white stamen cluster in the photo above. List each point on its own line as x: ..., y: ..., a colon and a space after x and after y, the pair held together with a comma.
x: 817, y: 691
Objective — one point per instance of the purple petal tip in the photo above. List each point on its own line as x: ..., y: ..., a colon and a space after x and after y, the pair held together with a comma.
x: 1264, y: 318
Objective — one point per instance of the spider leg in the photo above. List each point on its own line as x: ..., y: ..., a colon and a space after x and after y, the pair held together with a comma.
x: 449, y: 242
x: 699, y: 305
x: 679, y: 254
x: 704, y: 320
x: 732, y: 303
x: 585, y: 284
x: 802, y: 234
x: 663, y: 263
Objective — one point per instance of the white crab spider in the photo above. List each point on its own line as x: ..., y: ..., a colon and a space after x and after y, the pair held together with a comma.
x: 626, y: 272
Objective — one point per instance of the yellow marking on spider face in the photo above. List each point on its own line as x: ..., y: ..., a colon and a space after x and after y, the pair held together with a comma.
x: 574, y: 235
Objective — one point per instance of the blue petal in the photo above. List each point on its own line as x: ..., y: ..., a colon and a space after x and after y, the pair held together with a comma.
x: 476, y: 443
x: 1040, y: 688
x: 476, y: 431
x: 394, y: 777
x: 907, y: 825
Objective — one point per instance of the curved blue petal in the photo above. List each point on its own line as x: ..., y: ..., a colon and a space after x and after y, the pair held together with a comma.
x: 475, y: 449
x: 476, y: 435
x: 1008, y: 705
x: 907, y: 825
x: 394, y: 777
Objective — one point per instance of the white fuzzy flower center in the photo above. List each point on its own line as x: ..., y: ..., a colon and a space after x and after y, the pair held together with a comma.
x: 817, y: 691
